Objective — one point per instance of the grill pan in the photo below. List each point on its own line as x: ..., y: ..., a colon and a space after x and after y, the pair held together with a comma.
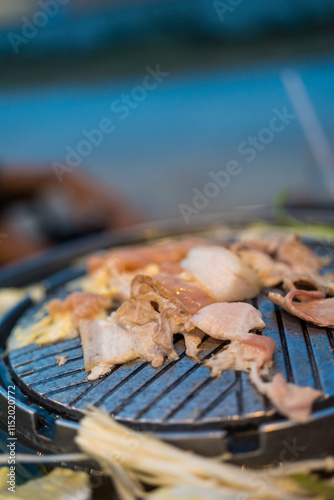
x: 179, y: 401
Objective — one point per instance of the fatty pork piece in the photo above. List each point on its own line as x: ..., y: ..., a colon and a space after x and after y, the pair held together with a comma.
x: 107, y: 343
x: 222, y: 274
x: 289, y: 400
x: 81, y: 305
x: 314, y: 308
x: 233, y: 321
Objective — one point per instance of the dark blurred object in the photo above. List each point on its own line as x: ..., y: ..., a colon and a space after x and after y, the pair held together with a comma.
x: 38, y: 211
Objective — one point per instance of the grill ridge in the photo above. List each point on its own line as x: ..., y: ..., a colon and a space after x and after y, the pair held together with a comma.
x: 286, y: 355
x: 218, y: 399
x: 170, y: 388
x: 313, y: 363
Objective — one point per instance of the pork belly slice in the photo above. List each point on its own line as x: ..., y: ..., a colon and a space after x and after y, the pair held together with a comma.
x: 222, y: 274
x: 227, y: 321
x: 314, y: 307
x: 289, y: 400
x: 241, y: 354
x: 270, y: 272
x: 81, y: 305
x: 107, y: 343
x: 299, y: 257
x: 137, y: 257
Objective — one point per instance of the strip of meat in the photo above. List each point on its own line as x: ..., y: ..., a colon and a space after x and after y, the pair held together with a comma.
x: 323, y: 284
x: 135, y: 330
x: 289, y: 400
x: 227, y: 321
x: 299, y: 257
x: 314, y: 308
x: 104, y: 345
x: 270, y: 272
x: 240, y: 355
x: 137, y: 257
x: 222, y: 274
x: 192, y: 342
x: 81, y: 305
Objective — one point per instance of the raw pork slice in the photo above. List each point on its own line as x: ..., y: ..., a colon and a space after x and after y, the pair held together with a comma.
x: 221, y: 273
x: 314, y: 308
x: 289, y: 400
x: 227, y: 321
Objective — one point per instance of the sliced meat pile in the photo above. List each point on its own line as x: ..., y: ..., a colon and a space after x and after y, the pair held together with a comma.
x: 233, y: 321
x: 283, y: 259
x: 144, y: 325
x: 115, y: 270
x: 197, y: 289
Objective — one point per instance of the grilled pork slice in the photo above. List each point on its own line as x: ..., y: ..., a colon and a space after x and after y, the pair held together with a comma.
x: 314, y: 307
x: 81, y: 305
x: 221, y: 273
x: 176, y: 300
x: 105, y: 344
x: 188, y: 293
x: 289, y: 400
x: 241, y: 354
x: 276, y: 259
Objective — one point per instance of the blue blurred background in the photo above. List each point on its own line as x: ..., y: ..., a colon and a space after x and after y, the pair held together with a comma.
x: 64, y: 63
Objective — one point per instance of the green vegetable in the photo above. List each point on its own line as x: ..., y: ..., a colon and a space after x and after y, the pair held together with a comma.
x: 315, y: 485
